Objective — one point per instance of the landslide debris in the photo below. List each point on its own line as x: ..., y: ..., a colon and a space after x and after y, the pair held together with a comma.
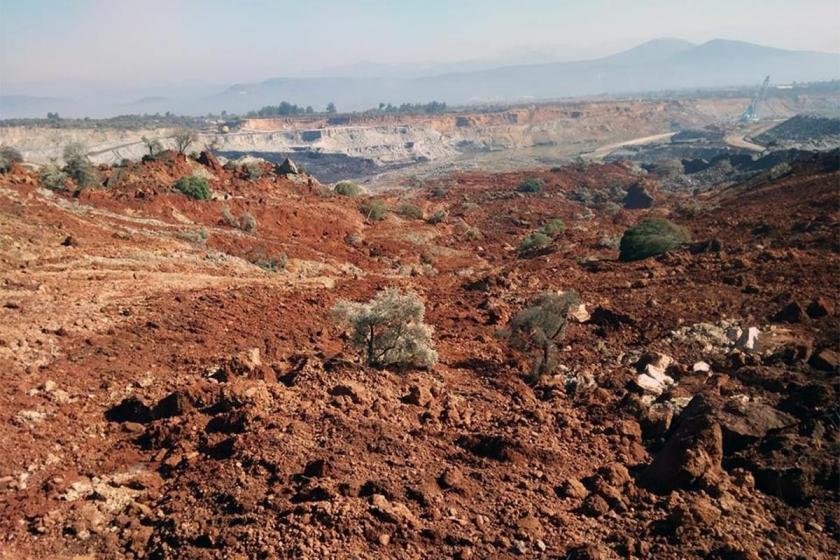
x: 166, y: 397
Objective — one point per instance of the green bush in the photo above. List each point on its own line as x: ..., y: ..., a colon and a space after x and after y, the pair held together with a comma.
x: 411, y: 211
x: 346, y: 188
x: 390, y: 330
x: 651, y: 236
x: 374, y: 209
x: 534, y: 242
x: 437, y: 217
x: 253, y: 171
x: 553, y: 228
x: 53, y: 177
x: 78, y: 167
x: 193, y: 187
x: 530, y: 186
x: 7, y: 156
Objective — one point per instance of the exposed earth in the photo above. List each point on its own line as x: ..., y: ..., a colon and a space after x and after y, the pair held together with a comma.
x: 176, y: 387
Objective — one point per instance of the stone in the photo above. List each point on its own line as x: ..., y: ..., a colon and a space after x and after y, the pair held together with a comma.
x: 793, y: 312
x: 579, y: 313
x: 288, y: 167
x: 355, y: 391
x: 701, y: 367
x: 419, y: 395
x: 595, y: 506
x: 174, y: 404
x: 826, y: 360
x: 452, y: 478
x: 819, y: 307
x: 637, y: 198
x: 748, y: 341
x: 130, y: 409
x: 693, y: 452
x: 615, y: 474
x: 572, y: 488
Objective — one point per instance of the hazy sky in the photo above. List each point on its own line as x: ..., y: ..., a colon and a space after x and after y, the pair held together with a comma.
x: 128, y: 43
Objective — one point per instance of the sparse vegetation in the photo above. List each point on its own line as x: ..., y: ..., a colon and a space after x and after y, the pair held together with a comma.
x: 374, y: 209
x: 533, y: 242
x: 433, y: 107
x: 253, y: 171
x: 389, y: 329
x: 8, y: 155
x: 651, y: 236
x: 153, y: 145
x: 246, y: 222
x: 779, y: 170
x: 347, y: 188
x: 53, y: 177
x: 78, y: 167
x: 198, y: 236
x: 193, y: 187
x: 437, y: 217
x: 538, y: 327
x: 532, y: 185
x: 410, y: 211
x: 276, y: 263
x: 184, y: 138
x: 553, y: 228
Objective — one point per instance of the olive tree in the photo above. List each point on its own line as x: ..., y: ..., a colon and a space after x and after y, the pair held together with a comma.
x: 78, y: 167
x: 538, y: 327
x: 389, y: 329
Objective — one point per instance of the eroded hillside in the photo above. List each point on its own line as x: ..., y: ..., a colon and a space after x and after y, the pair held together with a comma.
x: 177, y: 386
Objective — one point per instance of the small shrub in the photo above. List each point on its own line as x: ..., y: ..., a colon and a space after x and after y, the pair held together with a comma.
x: 410, y: 211
x: 553, y: 228
x: 438, y: 192
x: 389, y: 329
x: 346, y: 188
x: 538, y: 327
x: 374, y: 209
x: 533, y: 242
x: 247, y: 222
x: 608, y: 242
x: 8, y: 155
x: 651, y: 236
x: 532, y: 185
x: 193, y: 187
x: 116, y: 178
x: 274, y: 264
x: 53, y: 177
x: 154, y: 147
x: 779, y: 170
x: 253, y: 171
x: 198, y: 236
x: 78, y: 167
x: 437, y: 217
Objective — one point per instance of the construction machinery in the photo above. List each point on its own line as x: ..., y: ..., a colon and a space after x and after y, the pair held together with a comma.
x: 751, y: 114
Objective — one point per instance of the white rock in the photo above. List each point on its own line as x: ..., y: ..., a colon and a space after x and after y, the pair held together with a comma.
x: 748, y: 340
x: 580, y: 314
x: 701, y: 367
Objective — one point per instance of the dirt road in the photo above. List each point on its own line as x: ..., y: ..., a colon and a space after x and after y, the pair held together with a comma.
x: 606, y: 149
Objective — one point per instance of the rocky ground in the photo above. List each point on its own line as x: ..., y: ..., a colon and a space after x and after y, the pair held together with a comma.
x: 175, y: 387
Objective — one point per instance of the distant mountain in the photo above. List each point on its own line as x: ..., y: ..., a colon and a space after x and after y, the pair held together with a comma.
x: 655, y: 65
x: 662, y: 64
